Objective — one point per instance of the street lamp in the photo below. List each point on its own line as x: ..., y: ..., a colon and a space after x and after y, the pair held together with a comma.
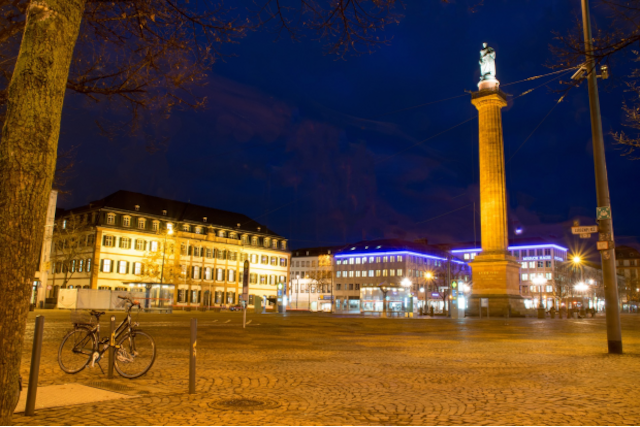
x: 540, y: 282
x: 164, y: 251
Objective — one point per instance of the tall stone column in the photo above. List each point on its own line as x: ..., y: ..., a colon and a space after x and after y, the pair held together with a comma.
x: 495, y: 273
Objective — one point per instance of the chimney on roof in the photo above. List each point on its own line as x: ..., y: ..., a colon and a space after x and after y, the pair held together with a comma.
x: 238, y: 225
x: 164, y: 212
x: 204, y: 219
x: 258, y: 228
x: 137, y: 207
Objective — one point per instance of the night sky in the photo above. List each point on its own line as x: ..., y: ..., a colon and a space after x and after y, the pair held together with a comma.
x: 300, y: 141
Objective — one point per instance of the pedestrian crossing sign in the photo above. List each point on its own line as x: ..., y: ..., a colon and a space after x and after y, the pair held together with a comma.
x: 603, y: 212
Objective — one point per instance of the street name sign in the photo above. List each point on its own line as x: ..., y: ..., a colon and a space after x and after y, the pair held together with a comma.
x: 602, y: 246
x: 484, y: 302
x: 584, y: 229
x: 585, y: 236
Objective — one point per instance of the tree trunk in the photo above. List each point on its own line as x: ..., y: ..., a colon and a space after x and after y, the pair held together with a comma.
x: 27, y: 163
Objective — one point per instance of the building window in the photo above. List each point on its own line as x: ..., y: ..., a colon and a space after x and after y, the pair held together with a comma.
x: 91, y: 239
x: 338, y: 286
x: 370, y: 273
x: 548, y: 276
x: 399, y: 258
x: 122, y: 267
x: 125, y: 243
x: 274, y: 244
x: 377, y: 273
x: 351, y: 274
x: 264, y: 259
x: 231, y: 275
x: 155, y: 226
x: 385, y: 259
x: 532, y: 264
x: 220, y: 274
x: 392, y: 272
x: 80, y: 265
x: 384, y: 273
x: 525, y: 277
x: 111, y: 219
x: 399, y: 272
x: 126, y: 221
x: 351, y: 261
x: 524, y: 264
x: 140, y: 245
x: 274, y: 260
x: 549, y: 288
x: 221, y: 233
x: 357, y: 260
x: 137, y: 268
x: 142, y: 223
x: 254, y: 258
x: 109, y: 241
x: 392, y: 258
x: 88, y: 266
x: 254, y: 241
x: 244, y: 239
x: 466, y: 256
x: 283, y: 262
x: 540, y: 264
x: 207, y: 273
x: 195, y: 272
x: 154, y: 246
x: 533, y: 289
x: 198, y: 230
x: 547, y: 264
x: 106, y: 266
x: 338, y: 273
x: 283, y: 245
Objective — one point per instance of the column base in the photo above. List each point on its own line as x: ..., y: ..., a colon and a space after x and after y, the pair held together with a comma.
x: 499, y: 306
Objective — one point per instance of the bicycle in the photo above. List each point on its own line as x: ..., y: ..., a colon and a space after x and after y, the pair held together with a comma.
x: 135, y: 350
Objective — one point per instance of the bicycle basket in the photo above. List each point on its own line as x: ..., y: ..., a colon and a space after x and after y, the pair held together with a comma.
x: 79, y: 316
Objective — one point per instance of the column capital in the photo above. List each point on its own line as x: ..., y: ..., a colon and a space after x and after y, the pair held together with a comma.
x: 483, y: 98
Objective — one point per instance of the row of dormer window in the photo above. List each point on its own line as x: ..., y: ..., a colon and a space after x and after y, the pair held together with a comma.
x: 141, y: 224
x: 191, y: 250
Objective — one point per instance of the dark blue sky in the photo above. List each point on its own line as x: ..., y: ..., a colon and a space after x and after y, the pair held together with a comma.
x: 299, y: 140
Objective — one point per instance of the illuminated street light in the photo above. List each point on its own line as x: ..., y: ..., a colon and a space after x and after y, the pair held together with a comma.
x: 581, y: 287
x: 576, y: 259
x: 464, y: 287
x: 422, y: 290
x: 406, y: 282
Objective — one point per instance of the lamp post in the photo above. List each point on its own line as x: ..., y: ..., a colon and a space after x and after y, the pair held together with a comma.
x: 540, y: 282
x: 605, y: 222
x: 164, y: 251
x: 406, y: 284
x: 429, y: 277
x: 384, y: 289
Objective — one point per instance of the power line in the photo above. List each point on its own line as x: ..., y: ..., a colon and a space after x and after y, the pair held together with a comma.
x: 425, y: 140
x: 444, y: 214
x: 540, y: 76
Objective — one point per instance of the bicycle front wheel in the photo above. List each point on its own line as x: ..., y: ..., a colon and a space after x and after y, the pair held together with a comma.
x: 135, y: 355
x: 76, y: 350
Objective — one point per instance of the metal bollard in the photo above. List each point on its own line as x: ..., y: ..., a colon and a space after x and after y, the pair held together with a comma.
x: 35, y: 367
x: 192, y: 358
x: 112, y: 348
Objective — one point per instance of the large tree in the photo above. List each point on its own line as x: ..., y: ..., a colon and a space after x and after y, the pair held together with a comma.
x: 140, y: 54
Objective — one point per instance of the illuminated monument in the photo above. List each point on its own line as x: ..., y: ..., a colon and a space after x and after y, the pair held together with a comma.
x: 495, y: 273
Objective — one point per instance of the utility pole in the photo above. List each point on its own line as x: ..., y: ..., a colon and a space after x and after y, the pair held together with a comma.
x: 605, y: 223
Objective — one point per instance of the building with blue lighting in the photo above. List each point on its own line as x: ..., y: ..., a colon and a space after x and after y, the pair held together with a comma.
x: 412, y: 271
x: 538, y: 259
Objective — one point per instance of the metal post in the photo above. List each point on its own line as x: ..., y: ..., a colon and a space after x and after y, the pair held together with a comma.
x: 244, y: 314
x: 112, y: 344
x: 35, y: 366
x: 192, y: 358
x: 605, y: 226
x: 480, y: 304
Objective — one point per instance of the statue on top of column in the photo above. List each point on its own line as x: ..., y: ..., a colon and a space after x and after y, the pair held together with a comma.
x: 487, y: 63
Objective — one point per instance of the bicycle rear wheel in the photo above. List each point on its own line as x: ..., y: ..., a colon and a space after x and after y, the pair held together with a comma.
x: 76, y: 350
x: 135, y: 355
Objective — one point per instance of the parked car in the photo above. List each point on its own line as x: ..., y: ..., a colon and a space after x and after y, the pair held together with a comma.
x: 237, y: 307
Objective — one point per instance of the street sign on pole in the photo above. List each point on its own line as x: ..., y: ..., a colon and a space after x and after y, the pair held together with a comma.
x: 603, y: 212
x: 602, y: 246
x: 585, y: 236
x: 585, y: 229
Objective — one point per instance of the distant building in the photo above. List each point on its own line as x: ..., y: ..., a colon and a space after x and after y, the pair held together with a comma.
x: 180, y: 253
x: 413, y: 270
x: 311, y: 283
x: 628, y: 265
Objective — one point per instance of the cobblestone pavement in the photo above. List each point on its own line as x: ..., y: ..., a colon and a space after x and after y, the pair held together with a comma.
x: 311, y: 369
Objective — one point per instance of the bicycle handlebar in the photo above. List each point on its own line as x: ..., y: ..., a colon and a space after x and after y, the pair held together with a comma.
x: 133, y: 302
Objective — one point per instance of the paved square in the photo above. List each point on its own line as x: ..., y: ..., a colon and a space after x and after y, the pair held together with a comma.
x: 310, y: 369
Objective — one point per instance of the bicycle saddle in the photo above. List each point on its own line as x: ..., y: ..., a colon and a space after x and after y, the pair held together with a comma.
x: 97, y: 314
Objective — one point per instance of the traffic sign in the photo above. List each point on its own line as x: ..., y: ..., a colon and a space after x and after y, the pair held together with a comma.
x: 585, y: 236
x: 588, y: 229
x: 603, y: 212
x: 602, y: 246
